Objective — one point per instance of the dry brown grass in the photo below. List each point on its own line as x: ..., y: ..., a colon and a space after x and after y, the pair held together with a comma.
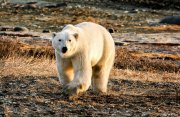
x: 25, y: 66
x: 13, y: 47
x: 128, y: 74
x: 156, y: 55
x: 161, y: 28
x: 129, y: 60
x: 20, y: 59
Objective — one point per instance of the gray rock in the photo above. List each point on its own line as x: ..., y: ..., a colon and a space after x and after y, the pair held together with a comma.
x: 171, y: 20
x: 55, y: 5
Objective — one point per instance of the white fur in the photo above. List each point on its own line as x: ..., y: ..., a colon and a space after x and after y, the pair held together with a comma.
x: 89, y: 57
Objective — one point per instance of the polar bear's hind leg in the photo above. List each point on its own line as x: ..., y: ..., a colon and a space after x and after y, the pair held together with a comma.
x: 101, y: 75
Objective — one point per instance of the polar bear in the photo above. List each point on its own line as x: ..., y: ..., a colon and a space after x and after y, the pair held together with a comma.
x: 84, y: 55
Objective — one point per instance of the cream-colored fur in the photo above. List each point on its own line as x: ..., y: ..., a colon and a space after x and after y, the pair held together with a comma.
x: 88, y: 59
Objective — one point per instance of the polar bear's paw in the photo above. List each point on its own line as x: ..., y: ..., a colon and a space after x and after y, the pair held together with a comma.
x: 73, y: 90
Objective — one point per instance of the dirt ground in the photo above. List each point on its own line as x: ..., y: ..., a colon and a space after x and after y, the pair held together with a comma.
x: 144, y: 81
x: 40, y: 96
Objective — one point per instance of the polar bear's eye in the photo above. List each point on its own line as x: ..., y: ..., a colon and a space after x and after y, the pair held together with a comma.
x: 59, y: 39
x: 69, y: 40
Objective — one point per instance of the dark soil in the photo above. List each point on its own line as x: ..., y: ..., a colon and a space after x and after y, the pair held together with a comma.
x: 40, y: 96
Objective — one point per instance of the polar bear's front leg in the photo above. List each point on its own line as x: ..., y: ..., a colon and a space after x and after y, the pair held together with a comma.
x: 65, y: 73
x: 65, y: 70
x: 82, y: 76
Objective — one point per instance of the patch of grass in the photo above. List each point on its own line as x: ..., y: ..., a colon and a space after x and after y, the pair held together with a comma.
x: 25, y: 66
x: 23, y: 59
x: 129, y: 74
x: 13, y: 47
x: 126, y: 60
x: 161, y: 28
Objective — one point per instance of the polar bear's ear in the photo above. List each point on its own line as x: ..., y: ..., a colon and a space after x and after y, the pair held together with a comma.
x: 75, y: 35
x: 53, y: 34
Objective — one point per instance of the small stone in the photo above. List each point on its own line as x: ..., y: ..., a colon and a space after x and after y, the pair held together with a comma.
x: 42, y: 14
x: 1, y: 94
x: 31, y: 3
x: 20, y: 29
x: 23, y: 85
x: 46, y: 31
x: 111, y: 30
x: 51, y: 112
x: 55, y: 5
x: 126, y: 11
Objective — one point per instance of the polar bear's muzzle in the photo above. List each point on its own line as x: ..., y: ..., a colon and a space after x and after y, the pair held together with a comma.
x: 64, y: 49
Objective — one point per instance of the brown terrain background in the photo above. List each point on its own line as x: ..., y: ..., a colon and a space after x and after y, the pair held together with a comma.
x: 144, y: 81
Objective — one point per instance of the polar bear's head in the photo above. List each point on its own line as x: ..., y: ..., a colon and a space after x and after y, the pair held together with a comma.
x: 65, y: 42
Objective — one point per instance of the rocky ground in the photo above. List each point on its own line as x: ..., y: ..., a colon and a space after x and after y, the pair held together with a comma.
x: 40, y: 96
x: 145, y: 79
x: 42, y: 16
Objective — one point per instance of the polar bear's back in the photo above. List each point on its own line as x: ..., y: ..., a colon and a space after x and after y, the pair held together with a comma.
x: 92, y: 32
x: 91, y: 28
x: 98, y: 40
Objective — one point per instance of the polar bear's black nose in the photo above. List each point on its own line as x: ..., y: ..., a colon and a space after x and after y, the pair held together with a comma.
x: 64, y: 49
